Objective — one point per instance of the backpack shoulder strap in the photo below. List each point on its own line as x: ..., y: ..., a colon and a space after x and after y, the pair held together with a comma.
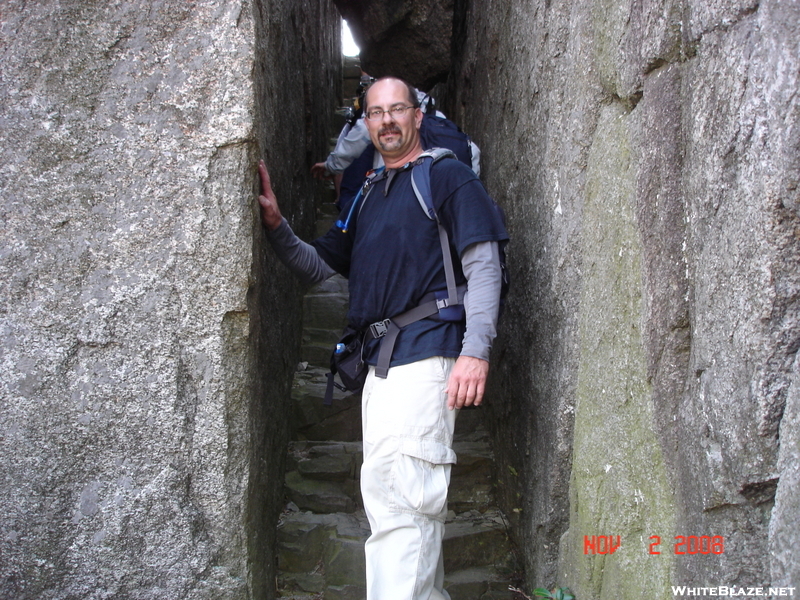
x: 421, y: 182
x: 363, y: 192
x: 421, y: 178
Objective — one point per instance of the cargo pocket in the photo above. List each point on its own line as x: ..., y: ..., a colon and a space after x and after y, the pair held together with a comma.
x: 420, y: 477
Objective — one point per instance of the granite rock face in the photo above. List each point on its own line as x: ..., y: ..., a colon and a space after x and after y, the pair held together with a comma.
x: 148, y: 335
x: 645, y: 378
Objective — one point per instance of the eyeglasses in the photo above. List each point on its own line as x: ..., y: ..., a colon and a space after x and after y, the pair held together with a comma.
x: 396, y: 112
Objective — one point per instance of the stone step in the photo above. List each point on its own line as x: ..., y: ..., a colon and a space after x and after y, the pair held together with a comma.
x: 321, y: 554
x: 484, y: 583
x: 327, y: 461
x: 324, y: 318
x: 471, y: 485
x: 476, y: 539
x: 327, y: 212
x: 322, y: 477
x: 324, y: 224
x: 324, y: 554
x: 324, y: 310
x: 312, y: 420
x: 320, y: 496
x: 318, y: 345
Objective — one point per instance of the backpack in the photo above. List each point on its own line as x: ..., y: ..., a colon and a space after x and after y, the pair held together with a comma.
x: 439, y: 132
x: 347, y: 358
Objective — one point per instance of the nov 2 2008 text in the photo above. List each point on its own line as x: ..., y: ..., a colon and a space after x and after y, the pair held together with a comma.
x: 683, y: 544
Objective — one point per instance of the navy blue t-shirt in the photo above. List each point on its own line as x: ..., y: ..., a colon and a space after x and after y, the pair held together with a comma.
x: 392, y: 256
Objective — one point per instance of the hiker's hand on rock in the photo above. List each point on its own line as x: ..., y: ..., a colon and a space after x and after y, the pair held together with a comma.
x: 320, y: 171
x: 270, y: 213
x: 467, y: 382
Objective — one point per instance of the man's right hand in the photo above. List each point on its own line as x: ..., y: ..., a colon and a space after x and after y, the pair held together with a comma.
x: 270, y: 213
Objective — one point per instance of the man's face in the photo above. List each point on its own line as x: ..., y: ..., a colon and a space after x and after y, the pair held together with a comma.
x: 394, y: 136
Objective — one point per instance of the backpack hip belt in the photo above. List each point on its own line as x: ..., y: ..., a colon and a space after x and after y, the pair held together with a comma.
x: 387, y: 330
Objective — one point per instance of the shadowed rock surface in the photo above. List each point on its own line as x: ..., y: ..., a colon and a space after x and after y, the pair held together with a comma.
x: 645, y: 377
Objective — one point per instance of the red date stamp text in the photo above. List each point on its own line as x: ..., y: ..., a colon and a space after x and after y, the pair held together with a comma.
x: 683, y: 544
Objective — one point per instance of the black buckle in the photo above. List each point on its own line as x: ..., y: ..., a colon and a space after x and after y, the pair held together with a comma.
x: 380, y: 328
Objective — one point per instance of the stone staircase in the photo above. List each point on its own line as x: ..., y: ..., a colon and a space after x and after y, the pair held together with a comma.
x: 322, y: 530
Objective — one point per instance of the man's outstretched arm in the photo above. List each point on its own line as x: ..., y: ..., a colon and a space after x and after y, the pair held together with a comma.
x: 300, y: 257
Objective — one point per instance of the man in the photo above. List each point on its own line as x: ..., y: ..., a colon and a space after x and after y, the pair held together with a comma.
x: 392, y: 255
x: 354, y: 139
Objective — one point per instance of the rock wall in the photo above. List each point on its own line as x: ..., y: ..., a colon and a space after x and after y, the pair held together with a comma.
x: 148, y: 336
x: 646, y: 381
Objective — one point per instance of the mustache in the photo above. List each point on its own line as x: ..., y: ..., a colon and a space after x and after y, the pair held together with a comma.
x: 389, y: 129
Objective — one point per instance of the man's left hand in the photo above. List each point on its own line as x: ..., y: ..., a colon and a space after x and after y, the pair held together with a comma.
x: 467, y: 382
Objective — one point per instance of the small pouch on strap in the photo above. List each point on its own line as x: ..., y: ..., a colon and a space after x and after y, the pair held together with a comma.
x: 347, y: 360
x: 451, y: 313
